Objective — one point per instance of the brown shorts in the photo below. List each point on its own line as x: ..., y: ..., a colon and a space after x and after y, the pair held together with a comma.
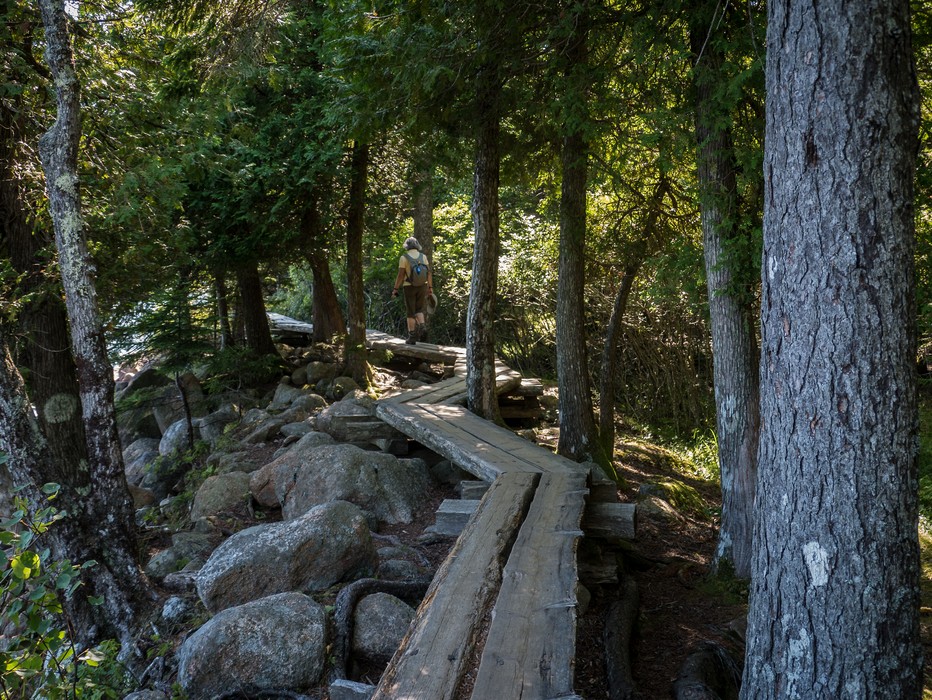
x: 415, y: 299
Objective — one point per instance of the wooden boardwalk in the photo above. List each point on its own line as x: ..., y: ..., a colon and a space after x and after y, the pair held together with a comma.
x: 503, y: 604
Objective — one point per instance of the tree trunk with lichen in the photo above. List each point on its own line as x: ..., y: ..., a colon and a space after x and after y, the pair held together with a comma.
x: 102, y: 518
x: 834, y: 605
x: 734, y: 335
x: 480, y: 316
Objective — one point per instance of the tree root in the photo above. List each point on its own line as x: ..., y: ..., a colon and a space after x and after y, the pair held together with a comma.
x: 709, y: 673
x: 346, y: 604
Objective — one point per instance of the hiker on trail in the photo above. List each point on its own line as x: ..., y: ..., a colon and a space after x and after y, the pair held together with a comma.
x: 415, y: 275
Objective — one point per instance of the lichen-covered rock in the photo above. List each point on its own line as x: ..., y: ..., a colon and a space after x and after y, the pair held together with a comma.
x: 262, y: 483
x: 221, y: 493
x: 276, y: 643
x: 146, y: 695
x: 388, y: 487
x: 328, y: 544
x: 341, y: 386
x: 175, y: 438
x: 264, y: 431
x: 316, y: 371
x: 213, y: 425
x: 354, y: 404
x: 303, y: 408
x: 285, y: 394
x: 137, y: 457
x: 380, y: 621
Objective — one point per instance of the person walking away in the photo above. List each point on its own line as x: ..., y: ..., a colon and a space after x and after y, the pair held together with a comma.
x: 416, y: 278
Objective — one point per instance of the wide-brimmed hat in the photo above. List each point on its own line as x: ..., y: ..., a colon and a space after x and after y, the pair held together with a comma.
x: 431, y: 305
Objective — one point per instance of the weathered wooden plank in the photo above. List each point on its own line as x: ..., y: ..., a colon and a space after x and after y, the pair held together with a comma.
x: 611, y: 520
x: 601, y: 487
x: 401, y: 349
x: 530, y: 648
x: 453, y: 514
x: 359, y: 428
x: 460, y: 436
x: 433, y: 393
x: 431, y: 659
x: 529, y: 388
x: 467, y: 490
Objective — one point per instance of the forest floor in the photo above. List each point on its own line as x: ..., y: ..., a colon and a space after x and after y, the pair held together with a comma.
x: 681, y: 606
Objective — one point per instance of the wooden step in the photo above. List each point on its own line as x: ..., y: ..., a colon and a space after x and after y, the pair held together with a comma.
x: 610, y: 521
x: 453, y: 514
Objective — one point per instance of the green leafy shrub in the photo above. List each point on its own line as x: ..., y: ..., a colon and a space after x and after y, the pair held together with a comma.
x: 38, y: 659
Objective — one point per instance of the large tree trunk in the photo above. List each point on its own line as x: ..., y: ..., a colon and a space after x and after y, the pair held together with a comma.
x: 101, y: 502
x: 480, y: 315
x: 355, y: 354
x: 257, y: 335
x: 579, y: 439
x: 327, y: 316
x: 734, y: 346
x: 835, y: 575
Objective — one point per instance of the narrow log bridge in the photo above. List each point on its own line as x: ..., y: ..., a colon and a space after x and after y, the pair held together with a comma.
x: 505, y: 596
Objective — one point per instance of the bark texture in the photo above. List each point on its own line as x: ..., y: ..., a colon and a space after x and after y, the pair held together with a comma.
x: 734, y: 346
x: 105, y: 521
x: 480, y: 316
x: 327, y: 316
x: 355, y: 354
x: 257, y: 335
x: 578, y: 433
x: 835, y: 599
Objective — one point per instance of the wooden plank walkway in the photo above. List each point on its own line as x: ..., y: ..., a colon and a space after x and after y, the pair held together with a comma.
x: 432, y: 657
x: 513, y: 569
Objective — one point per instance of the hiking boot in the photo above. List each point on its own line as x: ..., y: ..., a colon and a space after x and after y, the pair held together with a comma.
x: 412, y: 338
x: 421, y: 332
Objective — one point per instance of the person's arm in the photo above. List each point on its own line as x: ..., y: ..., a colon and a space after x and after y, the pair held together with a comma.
x: 399, y: 280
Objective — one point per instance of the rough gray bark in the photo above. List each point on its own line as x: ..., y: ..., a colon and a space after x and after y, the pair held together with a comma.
x: 734, y: 345
x: 355, y: 354
x: 480, y: 317
x: 106, y: 509
x: 579, y: 438
x: 835, y: 598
